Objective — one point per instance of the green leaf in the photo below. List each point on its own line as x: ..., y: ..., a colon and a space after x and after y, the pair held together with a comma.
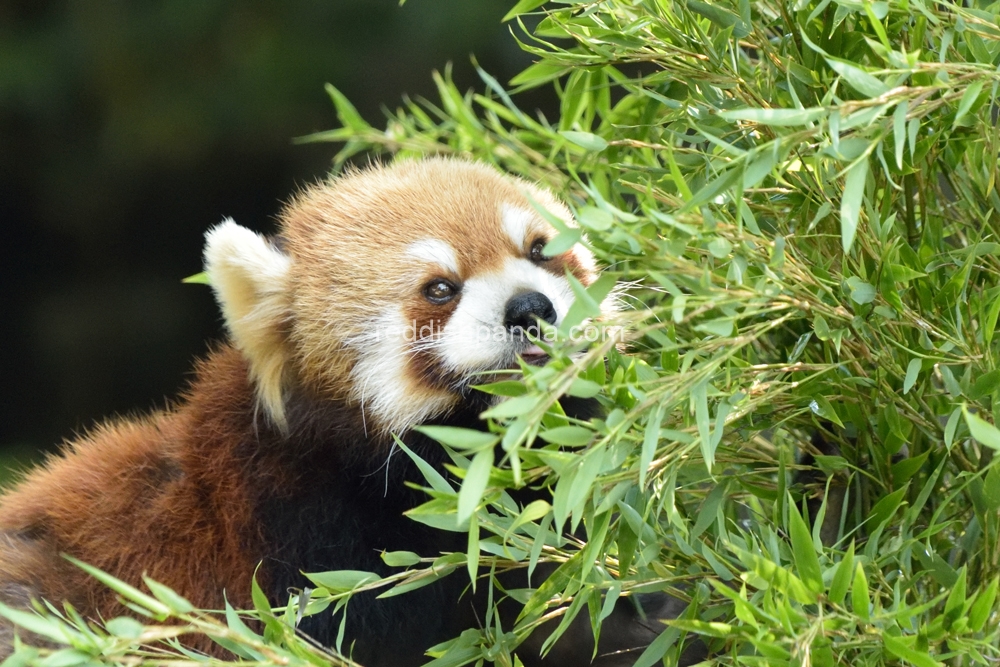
x: 859, y: 594
x: 822, y: 407
x: 567, y: 436
x: 583, y: 482
x: 806, y: 561
x: 777, y: 576
x: 164, y: 594
x: 912, y: 372
x: 433, y: 477
x: 460, y: 438
x: 198, y: 279
x: 700, y: 398
x: 535, y: 510
x: 720, y: 248
x: 758, y: 169
x: 562, y: 242
x: 983, y: 606
x: 658, y: 648
x: 858, y: 79
x: 899, y: 131
x: 595, y: 218
x: 512, y: 407
x: 591, y: 142
x: 610, y: 599
x: 708, y: 628
x: 502, y: 388
x: 722, y: 327
x: 956, y: 600
x: 537, y: 74
x: 522, y: 7
x: 400, y: 558
x: 437, y: 573
x: 885, y: 508
x: 339, y: 581
x: 51, y: 628
x: 861, y: 292
x: 583, y: 388
x: 237, y: 625
x: 904, y: 274
x: 984, y: 432
x: 903, y: 470
x: 985, y: 385
x: 969, y: 98
x: 912, y: 130
x: 743, y: 609
x: 721, y: 17
x: 897, y: 646
x: 951, y: 426
x: 990, y: 324
x: 850, y: 203
x: 842, y: 577
x: 650, y: 440
x: 127, y: 591
x: 474, y: 484
x: 346, y: 113
x: 125, y: 627
x: 778, y: 117
x: 587, y: 301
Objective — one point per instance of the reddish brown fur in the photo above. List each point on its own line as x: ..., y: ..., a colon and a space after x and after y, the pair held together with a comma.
x: 130, y: 499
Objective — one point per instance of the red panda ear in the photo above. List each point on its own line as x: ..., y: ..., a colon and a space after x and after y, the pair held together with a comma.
x: 250, y: 280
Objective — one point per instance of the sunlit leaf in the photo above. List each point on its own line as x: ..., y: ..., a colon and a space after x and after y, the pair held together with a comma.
x: 983, y: 431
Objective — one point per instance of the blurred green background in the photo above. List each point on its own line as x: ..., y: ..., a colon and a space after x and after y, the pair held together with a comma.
x: 129, y: 127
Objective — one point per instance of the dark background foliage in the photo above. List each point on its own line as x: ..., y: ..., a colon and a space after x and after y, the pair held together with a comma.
x: 128, y: 128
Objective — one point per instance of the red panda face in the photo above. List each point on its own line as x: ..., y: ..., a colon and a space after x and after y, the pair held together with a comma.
x: 396, y: 287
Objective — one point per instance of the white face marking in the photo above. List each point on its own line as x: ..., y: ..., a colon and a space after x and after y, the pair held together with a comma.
x: 518, y: 223
x: 434, y: 251
x: 389, y: 401
x: 475, y: 339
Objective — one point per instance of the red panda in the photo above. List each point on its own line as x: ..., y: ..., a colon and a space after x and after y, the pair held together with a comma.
x: 364, y: 317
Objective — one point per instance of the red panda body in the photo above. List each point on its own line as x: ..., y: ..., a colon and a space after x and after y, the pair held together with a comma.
x: 356, y: 323
x: 196, y: 498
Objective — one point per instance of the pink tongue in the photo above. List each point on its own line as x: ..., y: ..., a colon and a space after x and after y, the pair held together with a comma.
x: 533, y: 351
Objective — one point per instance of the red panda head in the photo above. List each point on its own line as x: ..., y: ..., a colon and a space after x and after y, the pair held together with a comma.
x: 394, y: 287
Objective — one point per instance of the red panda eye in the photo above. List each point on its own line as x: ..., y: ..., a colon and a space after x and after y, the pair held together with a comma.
x: 440, y: 291
x: 536, y: 251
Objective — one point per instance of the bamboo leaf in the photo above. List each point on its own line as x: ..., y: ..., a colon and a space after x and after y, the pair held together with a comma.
x: 857, y: 78
x: 460, y: 438
x: 912, y: 371
x: 898, y: 647
x: 522, y: 7
x: 342, y: 580
x: 859, y: 594
x: 650, y: 439
x: 591, y: 142
x: 983, y: 431
x: 806, y: 561
x: 474, y: 484
x: 850, y: 204
x: 776, y: 117
x: 969, y: 98
x: 842, y: 577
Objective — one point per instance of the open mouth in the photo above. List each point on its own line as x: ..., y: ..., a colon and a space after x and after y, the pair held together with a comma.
x: 534, y: 355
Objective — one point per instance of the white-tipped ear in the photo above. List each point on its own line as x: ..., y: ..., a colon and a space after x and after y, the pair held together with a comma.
x: 250, y: 280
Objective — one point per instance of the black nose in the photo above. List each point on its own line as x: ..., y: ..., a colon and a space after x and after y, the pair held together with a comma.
x: 524, y: 309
